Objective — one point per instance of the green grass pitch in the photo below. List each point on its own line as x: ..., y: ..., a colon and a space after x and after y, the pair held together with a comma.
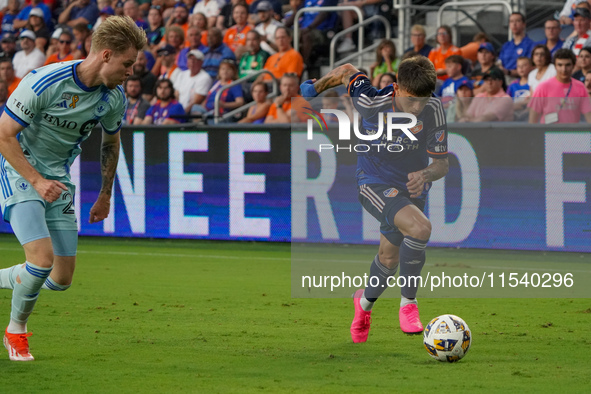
x: 186, y: 316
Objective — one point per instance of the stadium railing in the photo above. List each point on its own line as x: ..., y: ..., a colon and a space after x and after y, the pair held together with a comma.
x: 369, y: 48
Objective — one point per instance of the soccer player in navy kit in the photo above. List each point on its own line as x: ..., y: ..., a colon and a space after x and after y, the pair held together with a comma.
x: 393, y: 185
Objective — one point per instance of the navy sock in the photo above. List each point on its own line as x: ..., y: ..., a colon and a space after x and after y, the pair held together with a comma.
x: 412, y: 260
x: 382, y: 273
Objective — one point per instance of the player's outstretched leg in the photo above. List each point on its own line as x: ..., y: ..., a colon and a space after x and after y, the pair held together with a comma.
x: 412, y: 260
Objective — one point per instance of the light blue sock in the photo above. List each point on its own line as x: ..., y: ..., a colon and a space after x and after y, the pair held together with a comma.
x: 50, y: 284
x: 7, y: 276
x: 27, y: 284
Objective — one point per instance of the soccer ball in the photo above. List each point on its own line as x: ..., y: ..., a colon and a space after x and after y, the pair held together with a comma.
x: 447, y: 338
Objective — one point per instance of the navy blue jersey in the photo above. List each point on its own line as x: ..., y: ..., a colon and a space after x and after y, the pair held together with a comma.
x: 392, y: 168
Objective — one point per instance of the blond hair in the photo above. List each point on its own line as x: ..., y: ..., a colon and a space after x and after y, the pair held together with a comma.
x: 118, y: 33
x: 418, y: 29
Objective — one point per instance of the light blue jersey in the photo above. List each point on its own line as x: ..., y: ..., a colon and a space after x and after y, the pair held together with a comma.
x: 58, y: 112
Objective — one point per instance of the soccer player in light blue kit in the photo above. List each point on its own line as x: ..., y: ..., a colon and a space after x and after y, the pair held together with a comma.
x: 50, y: 113
x: 393, y: 186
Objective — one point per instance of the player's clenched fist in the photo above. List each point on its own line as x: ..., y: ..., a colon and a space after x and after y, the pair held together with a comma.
x: 49, y: 189
x: 100, y: 209
x: 415, y: 184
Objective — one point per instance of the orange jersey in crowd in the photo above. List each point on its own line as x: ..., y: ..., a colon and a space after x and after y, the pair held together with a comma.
x: 438, y: 58
x: 235, y: 36
x: 284, y: 62
x: 204, y: 38
x: 299, y: 103
x: 55, y: 58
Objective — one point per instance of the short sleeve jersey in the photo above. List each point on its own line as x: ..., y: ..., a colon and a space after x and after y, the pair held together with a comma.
x: 392, y: 168
x: 59, y: 112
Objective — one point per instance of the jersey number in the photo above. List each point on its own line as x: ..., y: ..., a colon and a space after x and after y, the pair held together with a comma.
x: 67, y: 196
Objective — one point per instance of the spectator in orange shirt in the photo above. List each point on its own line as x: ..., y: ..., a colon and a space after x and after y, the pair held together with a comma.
x: 200, y: 21
x: 180, y: 17
x: 443, y: 51
x: 289, y: 106
x: 7, y: 74
x: 287, y: 60
x: 235, y: 37
x: 64, y: 52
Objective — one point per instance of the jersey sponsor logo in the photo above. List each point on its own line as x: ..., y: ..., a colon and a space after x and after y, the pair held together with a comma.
x: 87, y: 126
x: 24, y: 111
x: 440, y: 148
x: 358, y: 83
x: 22, y: 185
x: 417, y: 128
x: 392, y: 192
x: 64, y: 124
x: 440, y: 136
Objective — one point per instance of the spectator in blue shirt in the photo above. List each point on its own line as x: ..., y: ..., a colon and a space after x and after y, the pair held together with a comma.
x: 520, y: 45
x: 314, y: 28
x: 10, y: 15
x: 166, y: 110
x: 417, y: 38
x: 79, y: 11
x: 552, y: 31
x: 22, y: 19
x: 194, y: 38
x: 216, y: 52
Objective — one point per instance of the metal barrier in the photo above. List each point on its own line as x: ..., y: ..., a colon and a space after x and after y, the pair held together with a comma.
x: 216, y: 108
x: 471, y: 3
x: 296, y: 24
x: 359, y: 53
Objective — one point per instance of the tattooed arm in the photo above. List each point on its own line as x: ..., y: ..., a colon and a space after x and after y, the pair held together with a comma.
x: 416, y: 180
x: 336, y: 77
x: 109, y: 159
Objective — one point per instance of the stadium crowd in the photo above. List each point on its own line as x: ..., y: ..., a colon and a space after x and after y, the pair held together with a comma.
x: 197, y: 48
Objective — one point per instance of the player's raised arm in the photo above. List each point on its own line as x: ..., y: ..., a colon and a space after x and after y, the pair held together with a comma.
x: 10, y: 148
x: 109, y: 159
x: 338, y: 76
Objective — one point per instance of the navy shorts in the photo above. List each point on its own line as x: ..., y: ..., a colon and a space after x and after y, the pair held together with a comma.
x: 383, y: 203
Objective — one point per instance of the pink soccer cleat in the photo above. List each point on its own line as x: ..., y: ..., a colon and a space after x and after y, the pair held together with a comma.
x: 361, y: 321
x: 410, y: 323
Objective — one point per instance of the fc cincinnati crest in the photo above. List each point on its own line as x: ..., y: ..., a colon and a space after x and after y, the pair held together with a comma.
x: 417, y: 128
x: 391, y: 192
x: 440, y: 135
x: 22, y: 185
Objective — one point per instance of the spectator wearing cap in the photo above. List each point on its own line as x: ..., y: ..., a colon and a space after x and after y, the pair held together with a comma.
x: 470, y: 50
x: 216, y: 52
x: 544, y: 69
x: 37, y: 26
x: 566, y: 14
x: 148, y: 79
x: 21, y: 20
x: 235, y: 37
x: 192, y: 85
x: 156, y: 29
x: 255, y: 57
x: 443, y: 51
x: 417, y: 38
x: 194, y: 40
x: 180, y: 17
x: 561, y: 99
x: 209, y: 8
x: 79, y: 11
x: 286, y: 60
x: 276, y: 10
x: 458, y: 107
x: 136, y: 105
x: 520, y: 45
x: 447, y: 91
x: 166, y: 111
x: 64, y: 52
x: 8, y: 46
x: 582, y: 37
x: 29, y: 57
x: 552, y: 31
x: 132, y: 10
x: 267, y: 26
x: 168, y: 67
x: 10, y: 14
x: 7, y: 74
x: 493, y: 104
x: 486, y: 61
x: 54, y: 42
